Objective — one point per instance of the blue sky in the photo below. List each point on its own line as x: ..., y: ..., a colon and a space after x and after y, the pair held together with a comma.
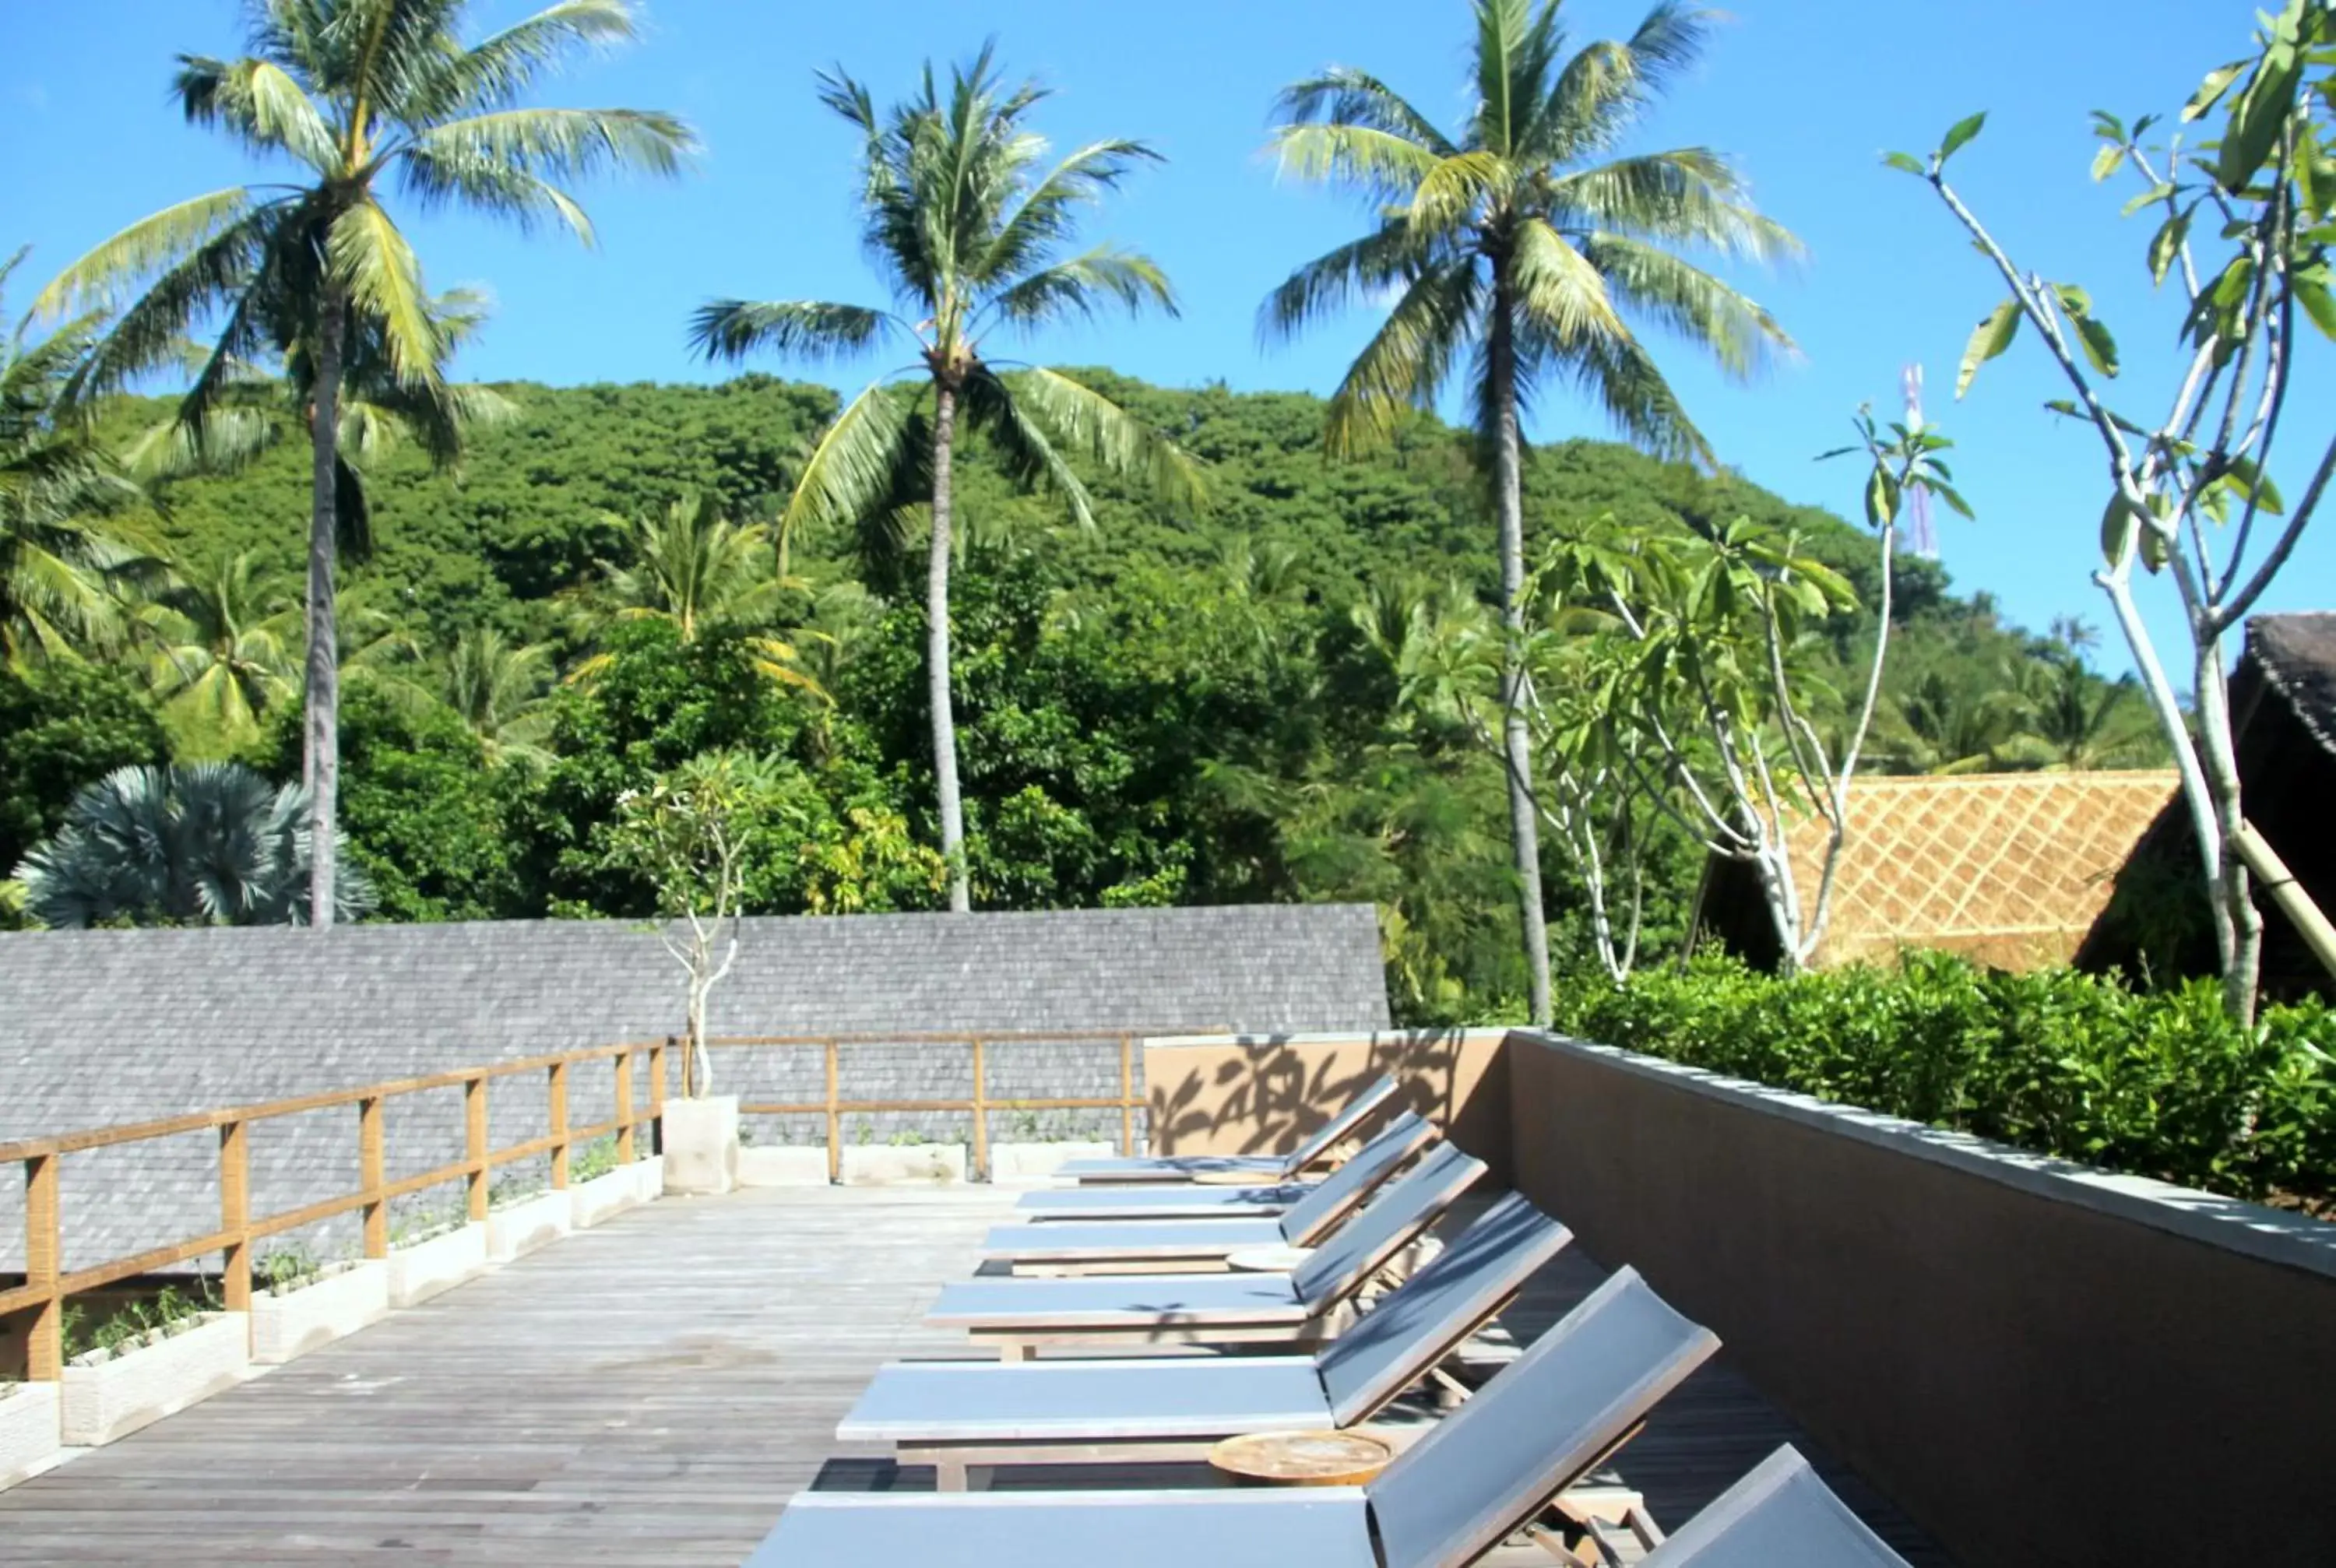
x: 1804, y: 93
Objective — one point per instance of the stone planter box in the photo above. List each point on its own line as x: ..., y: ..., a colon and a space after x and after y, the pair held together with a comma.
x: 1035, y: 1165
x: 430, y: 1268
x: 347, y: 1298
x: 903, y: 1164
x: 517, y: 1228
x: 29, y: 1440
x: 701, y: 1145
x: 109, y: 1399
x: 605, y: 1196
x: 783, y: 1165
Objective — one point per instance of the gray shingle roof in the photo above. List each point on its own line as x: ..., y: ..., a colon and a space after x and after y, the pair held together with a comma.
x: 103, y: 1027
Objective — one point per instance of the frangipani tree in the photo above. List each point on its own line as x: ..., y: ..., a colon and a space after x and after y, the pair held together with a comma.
x: 1715, y: 716
x: 1521, y: 251
x: 970, y: 225
x: 359, y: 97
x: 2242, y: 226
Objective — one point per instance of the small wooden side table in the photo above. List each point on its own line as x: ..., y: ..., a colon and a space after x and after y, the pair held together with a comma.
x: 1268, y: 1259
x: 1303, y: 1458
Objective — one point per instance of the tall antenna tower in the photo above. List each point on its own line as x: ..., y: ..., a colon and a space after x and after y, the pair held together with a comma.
x: 1921, y: 537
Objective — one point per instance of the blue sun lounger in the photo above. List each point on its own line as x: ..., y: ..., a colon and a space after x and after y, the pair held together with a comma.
x: 1266, y: 1168
x: 1307, y: 1305
x: 1779, y: 1514
x: 1100, y: 1246
x: 1483, y: 1471
x: 963, y: 1417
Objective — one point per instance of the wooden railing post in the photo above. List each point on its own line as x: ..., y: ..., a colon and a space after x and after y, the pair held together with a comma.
x: 44, y: 1351
x: 474, y: 1143
x: 373, y: 1175
x: 559, y: 1124
x: 235, y: 1215
x: 1127, y: 1095
x: 625, y: 1141
x: 980, y: 1114
x: 657, y: 1093
x: 835, y: 1116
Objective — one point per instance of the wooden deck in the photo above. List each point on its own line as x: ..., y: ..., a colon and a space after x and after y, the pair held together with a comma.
x: 653, y: 1390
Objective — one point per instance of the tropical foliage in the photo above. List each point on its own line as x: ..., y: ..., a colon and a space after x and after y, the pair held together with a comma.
x: 198, y: 843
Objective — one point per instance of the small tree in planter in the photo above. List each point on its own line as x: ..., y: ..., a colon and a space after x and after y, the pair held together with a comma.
x: 688, y: 835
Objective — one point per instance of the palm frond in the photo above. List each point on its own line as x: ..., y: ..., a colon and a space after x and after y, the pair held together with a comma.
x: 1603, y: 88
x: 850, y: 471
x: 1557, y: 289
x: 103, y: 278
x: 1688, y: 196
x: 561, y: 144
x: 1342, y: 96
x: 442, y: 176
x: 1046, y: 215
x: 384, y: 276
x: 1733, y: 328
x: 1079, y: 417
x: 811, y: 330
x: 1376, y: 163
x: 1083, y: 283
x: 1619, y: 374
x: 258, y: 101
x: 1407, y: 360
x: 498, y: 69
x: 1360, y: 269
x: 1030, y: 458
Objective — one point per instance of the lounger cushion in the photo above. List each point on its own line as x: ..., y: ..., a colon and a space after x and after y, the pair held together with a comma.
x: 1780, y: 1513
x: 1159, y: 1203
x: 1170, y: 1167
x: 1103, y: 1241
x: 1089, y: 1401
x: 1135, y: 1300
x: 1317, y: 1527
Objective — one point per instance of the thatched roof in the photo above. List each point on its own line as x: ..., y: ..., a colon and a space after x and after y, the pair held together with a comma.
x: 2009, y: 869
x: 2296, y: 656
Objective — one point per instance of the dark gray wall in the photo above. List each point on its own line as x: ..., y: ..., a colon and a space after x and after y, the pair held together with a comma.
x: 2042, y: 1364
x: 98, y: 1028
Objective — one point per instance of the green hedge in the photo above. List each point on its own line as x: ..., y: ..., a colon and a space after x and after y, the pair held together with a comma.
x: 2156, y: 1082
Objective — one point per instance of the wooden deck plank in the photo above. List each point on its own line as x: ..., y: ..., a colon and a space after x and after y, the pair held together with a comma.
x: 654, y: 1390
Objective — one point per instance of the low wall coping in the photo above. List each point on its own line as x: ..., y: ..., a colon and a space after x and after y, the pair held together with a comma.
x: 2296, y: 1241
x: 1272, y: 1040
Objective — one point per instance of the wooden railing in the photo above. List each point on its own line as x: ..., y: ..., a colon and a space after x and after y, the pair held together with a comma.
x: 835, y: 1107
x: 47, y: 1287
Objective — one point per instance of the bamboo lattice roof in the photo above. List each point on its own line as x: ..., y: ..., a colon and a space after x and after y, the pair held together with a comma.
x: 2009, y: 869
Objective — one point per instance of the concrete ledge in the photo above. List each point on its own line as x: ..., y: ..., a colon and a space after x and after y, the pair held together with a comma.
x: 346, y: 1299
x: 649, y: 1177
x: 603, y: 1197
x: 520, y: 1228
x: 110, y: 1399
x: 2295, y: 1240
x: 782, y: 1165
x: 431, y: 1268
x: 30, y: 1440
x: 1035, y: 1165
x: 903, y: 1164
x: 701, y: 1146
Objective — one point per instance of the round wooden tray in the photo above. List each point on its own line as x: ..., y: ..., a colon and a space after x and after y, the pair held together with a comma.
x: 1268, y: 1259
x: 1303, y: 1458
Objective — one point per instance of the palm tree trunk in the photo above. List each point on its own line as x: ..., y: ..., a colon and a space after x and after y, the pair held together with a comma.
x: 937, y: 654
x: 321, y: 756
x: 1508, y: 498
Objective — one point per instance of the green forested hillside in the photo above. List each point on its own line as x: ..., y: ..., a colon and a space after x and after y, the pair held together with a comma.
x: 1167, y: 708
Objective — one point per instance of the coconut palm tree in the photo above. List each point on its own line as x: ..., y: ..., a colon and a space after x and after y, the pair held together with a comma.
x: 500, y: 688
x: 203, y: 843
x: 222, y: 659
x: 357, y: 94
x: 59, y: 571
x: 971, y: 228
x: 1520, y: 247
